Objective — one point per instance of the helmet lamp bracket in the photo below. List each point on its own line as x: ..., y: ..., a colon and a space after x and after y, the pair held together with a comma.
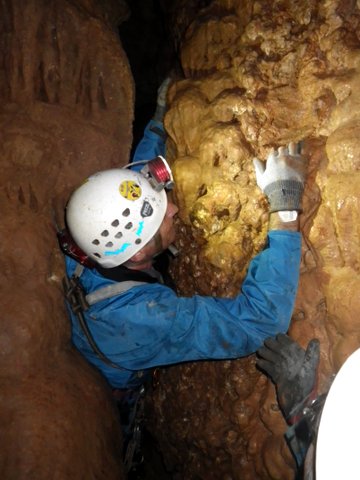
x: 158, y: 174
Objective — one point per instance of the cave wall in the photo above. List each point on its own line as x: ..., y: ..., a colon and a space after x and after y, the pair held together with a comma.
x: 257, y: 75
x: 66, y: 111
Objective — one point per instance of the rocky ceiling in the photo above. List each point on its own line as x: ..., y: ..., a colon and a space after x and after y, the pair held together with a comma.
x: 256, y: 74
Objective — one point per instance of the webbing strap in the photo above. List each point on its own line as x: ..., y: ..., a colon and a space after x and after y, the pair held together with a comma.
x: 74, y: 294
x: 110, y: 291
x: 79, y: 270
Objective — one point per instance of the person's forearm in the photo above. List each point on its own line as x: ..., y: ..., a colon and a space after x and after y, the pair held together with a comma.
x: 150, y: 146
x: 276, y: 223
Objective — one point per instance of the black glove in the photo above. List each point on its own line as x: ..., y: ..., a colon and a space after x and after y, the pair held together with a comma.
x: 292, y: 369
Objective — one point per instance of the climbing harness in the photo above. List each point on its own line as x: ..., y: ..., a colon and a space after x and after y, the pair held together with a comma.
x: 131, y: 407
x: 79, y: 303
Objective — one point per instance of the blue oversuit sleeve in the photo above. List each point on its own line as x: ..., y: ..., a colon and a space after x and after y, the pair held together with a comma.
x: 151, y: 145
x: 150, y: 326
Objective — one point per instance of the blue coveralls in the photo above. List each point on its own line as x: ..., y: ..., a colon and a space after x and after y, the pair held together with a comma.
x: 149, y: 325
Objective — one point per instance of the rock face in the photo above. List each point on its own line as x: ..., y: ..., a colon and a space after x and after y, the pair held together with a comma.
x: 66, y: 111
x: 258, y: 75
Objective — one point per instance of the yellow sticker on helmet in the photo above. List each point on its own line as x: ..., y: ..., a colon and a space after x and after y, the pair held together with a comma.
x: 130, y: 190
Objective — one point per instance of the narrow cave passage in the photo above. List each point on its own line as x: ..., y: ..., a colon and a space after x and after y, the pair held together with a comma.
x: 250, y: 76
x: 149, y: 45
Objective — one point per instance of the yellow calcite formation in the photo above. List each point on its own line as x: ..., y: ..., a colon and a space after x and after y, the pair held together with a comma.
x: 216, y: 196
x: 258, y: 75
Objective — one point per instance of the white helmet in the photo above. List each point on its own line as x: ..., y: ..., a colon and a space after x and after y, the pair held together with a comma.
x: 114, y: 213
x: 337, y: 447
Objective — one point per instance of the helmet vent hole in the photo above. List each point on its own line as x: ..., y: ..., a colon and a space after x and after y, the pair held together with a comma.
x: 97, y: 255
x: 115, y: 223
x: 118, y: 235
x: 128, y: 226
x: 126, y: 212
x: 95, y: 242
x: 138, y: 241
x: 109, y: 244
x: 104, y: 233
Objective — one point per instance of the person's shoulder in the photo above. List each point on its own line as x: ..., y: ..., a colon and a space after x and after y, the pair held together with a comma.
x: 70, y: 265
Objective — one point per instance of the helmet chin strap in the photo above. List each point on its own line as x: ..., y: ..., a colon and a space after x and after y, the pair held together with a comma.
x: 158, y: 243
x: 146, y: 261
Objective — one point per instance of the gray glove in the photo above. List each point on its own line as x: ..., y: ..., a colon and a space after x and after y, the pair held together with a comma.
x: 161, y: 100
x: 283, y: 179
x: 292, y: 369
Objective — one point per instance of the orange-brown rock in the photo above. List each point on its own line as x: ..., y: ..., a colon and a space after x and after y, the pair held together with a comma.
x: 256, y: 75
x: 66, y: 110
